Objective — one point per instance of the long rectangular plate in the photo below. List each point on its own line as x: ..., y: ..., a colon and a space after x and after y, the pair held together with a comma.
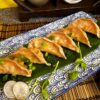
x: 59, y: 82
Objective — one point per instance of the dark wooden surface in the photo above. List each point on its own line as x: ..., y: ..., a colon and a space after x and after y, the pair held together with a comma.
x: 26, y: 10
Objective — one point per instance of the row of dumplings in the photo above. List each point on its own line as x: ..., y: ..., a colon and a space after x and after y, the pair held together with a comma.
x: 52, y: 44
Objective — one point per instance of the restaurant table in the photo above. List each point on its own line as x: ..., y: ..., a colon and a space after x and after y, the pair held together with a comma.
x: 10, y: 26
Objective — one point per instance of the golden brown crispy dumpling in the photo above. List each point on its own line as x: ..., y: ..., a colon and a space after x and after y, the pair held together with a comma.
x: 87, y: 25
x: 79, y: 35
x: 12, y: 67
x: 40, y: 55
x: 34, y: 55
x: 65, y: 30
x: 64, y: 40
x: 47, y: 45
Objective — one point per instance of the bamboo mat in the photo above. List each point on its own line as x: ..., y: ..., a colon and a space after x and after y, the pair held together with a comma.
x: 88, y: 90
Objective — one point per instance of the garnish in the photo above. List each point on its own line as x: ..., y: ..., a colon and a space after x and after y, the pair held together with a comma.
x: 31, y: 67
x: 51, y: 38
x: 1, y: 61
x: 20, y: 90
x: 27, y: 62
x: 24, y: 59
x: 8, y: 89
x: 44, y: 92
x: 44, y: 84
x: 81, y: 63
x: 70, y: 34
x: 16, y: 90
x: 78, y: 63
x: 35, y: 84
x: 73, y: 75
x: 25, y: 45
x: 44, y: 44
x: 46, y: 54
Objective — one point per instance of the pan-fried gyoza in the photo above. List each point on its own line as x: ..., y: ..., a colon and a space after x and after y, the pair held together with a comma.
x: 52, y: 44
x: 87, y: 25
x: 12, y: 67
x: 63, y: 39
x: 47, y: 45
x: 79, y: 35
x: 76, y: 33
x: 33, y: 54
x: 40, y: 56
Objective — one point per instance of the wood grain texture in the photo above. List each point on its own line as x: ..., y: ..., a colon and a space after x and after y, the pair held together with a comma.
x: 27, y: 10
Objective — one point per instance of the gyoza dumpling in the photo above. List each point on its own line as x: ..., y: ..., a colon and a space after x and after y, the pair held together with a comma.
x: 33, y: 54
x: 87, y: 25
x: 12, y: 67
x: 62, y: 39
x: 65, y: 30
x: 79, y: 35
x: 47, y: 45
x: 40, y: 55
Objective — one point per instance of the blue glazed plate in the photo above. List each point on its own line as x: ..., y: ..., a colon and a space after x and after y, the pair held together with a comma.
x: 59, y: 82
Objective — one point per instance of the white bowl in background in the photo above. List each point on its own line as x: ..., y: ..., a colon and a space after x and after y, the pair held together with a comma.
x: 72, y: 1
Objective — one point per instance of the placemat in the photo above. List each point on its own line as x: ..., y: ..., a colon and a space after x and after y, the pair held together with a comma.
x: 88, y: 90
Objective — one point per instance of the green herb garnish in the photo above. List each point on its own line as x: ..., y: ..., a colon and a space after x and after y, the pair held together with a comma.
x: 78, y: 63
x: 24, y: 59
x: 69, y: 34
x: 1, y: 60
x: 83, y: 65
x: 27, y: 62
x: 35, y: 84
x: 25, y: 45
x: 44, y: 84
x: 46, y: 54
x: 44, y: 44
x: 51, y: 38
x: 31, y: 67
x: 45, y: 93
x: 73, y: 75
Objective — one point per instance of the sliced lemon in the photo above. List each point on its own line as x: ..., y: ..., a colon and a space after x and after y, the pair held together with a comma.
x: 8, y: 89
x: 20, y: 90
